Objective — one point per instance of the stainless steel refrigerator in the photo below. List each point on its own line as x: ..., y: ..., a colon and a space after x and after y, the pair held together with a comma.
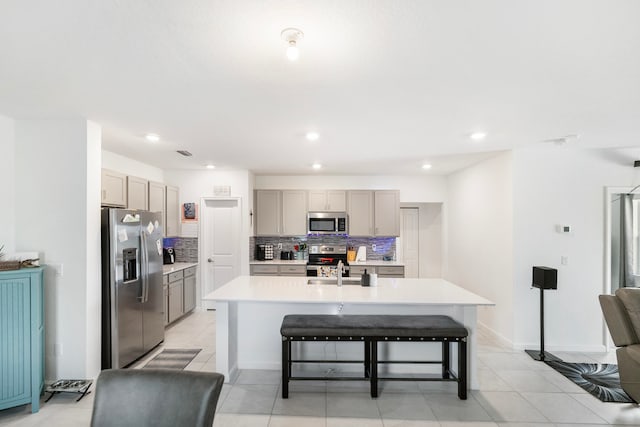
x: 132, y: 294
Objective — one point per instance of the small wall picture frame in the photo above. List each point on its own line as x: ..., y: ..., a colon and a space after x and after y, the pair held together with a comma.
x: 189, y: 212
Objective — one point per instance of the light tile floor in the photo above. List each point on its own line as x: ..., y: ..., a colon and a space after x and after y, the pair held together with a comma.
x: 514, y: 391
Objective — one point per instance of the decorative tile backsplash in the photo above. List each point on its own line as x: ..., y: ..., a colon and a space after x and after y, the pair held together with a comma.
x: 186, y: 248
x: 385, y: 246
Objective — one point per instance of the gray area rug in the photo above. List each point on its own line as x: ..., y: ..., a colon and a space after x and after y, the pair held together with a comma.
x: 177, y: 358
x: 599, y: 379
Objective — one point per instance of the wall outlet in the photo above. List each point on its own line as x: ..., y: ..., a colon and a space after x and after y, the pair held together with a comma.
x: 373, y: 247
x: 280, y: 246
x: 564, y: 260
x: 58, y: 268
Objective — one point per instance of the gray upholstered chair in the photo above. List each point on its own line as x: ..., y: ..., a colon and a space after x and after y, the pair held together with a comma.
x: 155, y: 397
x: 622, y: 314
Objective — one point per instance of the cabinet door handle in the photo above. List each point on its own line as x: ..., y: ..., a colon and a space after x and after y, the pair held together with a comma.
x: 210, y: 260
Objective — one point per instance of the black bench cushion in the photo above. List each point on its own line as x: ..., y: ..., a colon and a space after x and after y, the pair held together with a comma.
x: 367, y: 325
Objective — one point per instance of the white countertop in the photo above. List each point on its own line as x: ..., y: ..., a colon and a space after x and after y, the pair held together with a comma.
x: 177, y: 266
x: 388, y: 291
x: 281, y: 262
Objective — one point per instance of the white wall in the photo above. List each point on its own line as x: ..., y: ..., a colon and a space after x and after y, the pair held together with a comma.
x: 57, y: 214
x: 563, y: 185
x: 479, y: 238
x: 197, y: 184
x: 128, y: 166
x: 7, y: 184
x: 413, y: 188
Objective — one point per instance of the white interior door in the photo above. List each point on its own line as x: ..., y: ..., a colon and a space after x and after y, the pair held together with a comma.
x: 220, y: 254
x: 410, y: 241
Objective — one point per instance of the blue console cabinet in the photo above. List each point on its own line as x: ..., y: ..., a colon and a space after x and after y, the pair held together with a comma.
x: 21, y: 337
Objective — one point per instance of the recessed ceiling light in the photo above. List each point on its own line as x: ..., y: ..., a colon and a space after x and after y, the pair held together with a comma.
x: 152, y: 137
x: 210, y: 166
x: 292, y: 36
x: 478, y: 136
x: 312, y: 136
x: 426, y: 166
x: 316, y: 166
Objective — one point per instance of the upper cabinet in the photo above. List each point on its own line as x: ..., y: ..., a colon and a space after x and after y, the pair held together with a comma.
x: 172, y: 211
x: 386, y: 213
x: 137, y: 193
x: 374, y: 213
x: 157, y: 201
x: 360, y: 211
x: 294, y: 212
x: 281, y: 213
x: 114, y: 189
x: 327, y: 200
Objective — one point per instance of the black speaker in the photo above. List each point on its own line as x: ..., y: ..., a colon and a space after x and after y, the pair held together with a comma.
x: 545, y: 277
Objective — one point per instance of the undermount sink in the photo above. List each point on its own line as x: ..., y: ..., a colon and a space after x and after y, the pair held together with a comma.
x: 333, y: 281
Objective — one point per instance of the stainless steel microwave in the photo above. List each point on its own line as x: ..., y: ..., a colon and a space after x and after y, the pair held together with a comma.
x: 327, y: 223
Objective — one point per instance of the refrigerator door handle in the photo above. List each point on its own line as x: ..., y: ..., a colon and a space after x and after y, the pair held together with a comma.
x: 145, y: 269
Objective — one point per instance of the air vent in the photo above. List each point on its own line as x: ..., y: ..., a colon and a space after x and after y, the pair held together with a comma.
x: 185, y: 153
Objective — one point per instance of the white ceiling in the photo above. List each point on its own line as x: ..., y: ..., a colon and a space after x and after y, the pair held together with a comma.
x: 388, y: 85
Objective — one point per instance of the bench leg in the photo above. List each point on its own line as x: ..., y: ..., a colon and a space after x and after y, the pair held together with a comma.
x: 374, y: 367
x: 462, y: 369
x: 286, y: 364
x: 367, y: 359
x: 446, y: 359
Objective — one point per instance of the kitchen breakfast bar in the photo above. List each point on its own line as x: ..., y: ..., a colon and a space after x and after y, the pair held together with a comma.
x: 250, y: 309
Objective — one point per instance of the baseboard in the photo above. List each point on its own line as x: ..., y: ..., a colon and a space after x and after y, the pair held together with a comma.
x: 502, y: 340
x: 566, y: 348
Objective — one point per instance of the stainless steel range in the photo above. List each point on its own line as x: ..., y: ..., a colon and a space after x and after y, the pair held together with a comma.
x: 323, y: 261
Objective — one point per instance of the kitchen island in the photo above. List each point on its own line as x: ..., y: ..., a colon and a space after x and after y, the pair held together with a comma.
x: 249, y: 312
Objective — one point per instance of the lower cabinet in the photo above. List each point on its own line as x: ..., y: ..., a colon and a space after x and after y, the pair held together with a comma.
x: 21, y: 337
x: 180, y: 293
x: 380, y: 270
x: 189, y: 295
x: 278, y: 270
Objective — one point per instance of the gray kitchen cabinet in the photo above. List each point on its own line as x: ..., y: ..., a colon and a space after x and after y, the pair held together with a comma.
x: 390, y: 271
x: 176, y: 291
x: 189, y: 297
x: 360, y: 210
x: 165, y: 296
x: 137, y: 193
x: 327, y: 200
x: 294, y: 212
x: 357, y: 271
x: 386, y: 213
x: 172, y: 211
x: 292, y: 270
x: 268, y: 207
x: 264, y: 270
x: 114, y: 189
x: 157, y: 201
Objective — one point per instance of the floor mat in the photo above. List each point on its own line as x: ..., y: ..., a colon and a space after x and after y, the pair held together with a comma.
x: 600, y: 379
x: 169, y: 358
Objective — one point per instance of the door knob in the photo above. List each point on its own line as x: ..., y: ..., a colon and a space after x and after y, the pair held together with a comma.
x: 209, y: 259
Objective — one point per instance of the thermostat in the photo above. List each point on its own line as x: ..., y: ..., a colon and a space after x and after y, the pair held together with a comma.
x: 563, y: 228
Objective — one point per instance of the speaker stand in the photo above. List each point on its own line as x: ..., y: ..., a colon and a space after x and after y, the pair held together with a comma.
x: 541, y: 355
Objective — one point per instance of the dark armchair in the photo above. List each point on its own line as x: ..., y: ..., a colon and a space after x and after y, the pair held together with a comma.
x: 155, y: 397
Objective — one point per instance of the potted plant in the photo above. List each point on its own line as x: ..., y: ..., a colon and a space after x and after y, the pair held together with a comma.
x: 300, y: 248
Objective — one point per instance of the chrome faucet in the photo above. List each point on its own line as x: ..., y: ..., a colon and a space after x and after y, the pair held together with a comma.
x: 339, y: 271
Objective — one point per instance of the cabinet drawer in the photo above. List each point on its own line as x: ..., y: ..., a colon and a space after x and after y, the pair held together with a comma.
x: 176, y: 275
x: 358, y: 270
x: 165, y: 279
x: 395, y: 271
x: 264, y: 269
x: 191, y: 271
x: 293, y: 270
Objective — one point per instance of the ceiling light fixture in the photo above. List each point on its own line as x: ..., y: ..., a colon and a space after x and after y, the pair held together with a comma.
x: 210, y: 166
x: 316, y: 166
x: 152, y: 137
x: 312, y: 136
x: 292, y: 36
x: 426, y: 166
x: 478, y: 136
